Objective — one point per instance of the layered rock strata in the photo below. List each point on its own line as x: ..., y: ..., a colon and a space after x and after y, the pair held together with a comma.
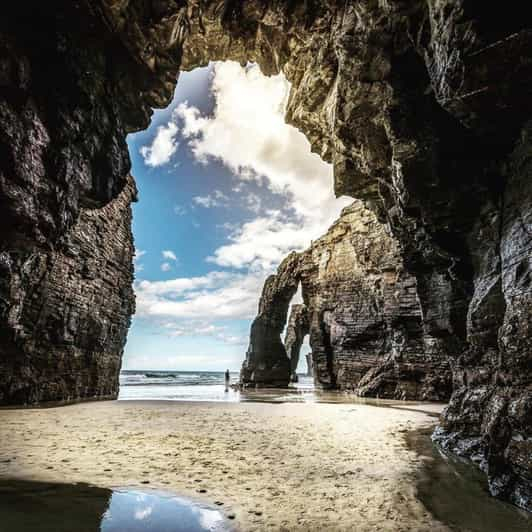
x: 421, y: 106
x: 68, y: 310
x: 361, y: 311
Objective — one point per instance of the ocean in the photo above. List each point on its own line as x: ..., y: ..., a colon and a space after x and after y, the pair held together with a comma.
x: 196, y: 386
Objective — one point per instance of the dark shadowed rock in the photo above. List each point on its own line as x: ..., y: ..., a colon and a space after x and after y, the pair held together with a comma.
x: 267, y: 363
x: 69, y: 310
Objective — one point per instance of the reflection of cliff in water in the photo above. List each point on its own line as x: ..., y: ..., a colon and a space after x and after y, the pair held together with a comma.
x: 46, y: 507
x: 456, y: 493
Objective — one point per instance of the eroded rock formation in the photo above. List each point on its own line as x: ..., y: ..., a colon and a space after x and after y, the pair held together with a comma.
x: 422, y: 107
x: 361, y: 311
x: 266, y: 360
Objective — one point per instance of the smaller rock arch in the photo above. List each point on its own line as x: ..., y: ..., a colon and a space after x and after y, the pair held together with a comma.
x: 298, y: 327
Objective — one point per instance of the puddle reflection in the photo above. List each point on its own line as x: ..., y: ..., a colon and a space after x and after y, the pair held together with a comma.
x: 31, y: 506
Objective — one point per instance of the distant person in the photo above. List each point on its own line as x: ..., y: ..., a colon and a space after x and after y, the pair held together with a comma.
x: 227, y: 380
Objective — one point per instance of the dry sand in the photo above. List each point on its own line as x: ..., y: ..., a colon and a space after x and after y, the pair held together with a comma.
x: 285, y: 466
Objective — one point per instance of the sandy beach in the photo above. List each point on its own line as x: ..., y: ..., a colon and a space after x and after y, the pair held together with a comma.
x: 291, y: 466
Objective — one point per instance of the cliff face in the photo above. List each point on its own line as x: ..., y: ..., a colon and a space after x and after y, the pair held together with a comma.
x: 361, y: 311
x: 68, y: 311
x: 423, y: 108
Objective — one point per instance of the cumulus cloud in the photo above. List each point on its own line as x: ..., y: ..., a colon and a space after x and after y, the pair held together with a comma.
x: 179, y: 210
x: 248, y: 133
x: 163, y: 146
x: 217, y: 295
x: 216, y: 199
x: 170, y: 255
x: 262, y: 243
x: 177, y: 287
x: 165, y: 266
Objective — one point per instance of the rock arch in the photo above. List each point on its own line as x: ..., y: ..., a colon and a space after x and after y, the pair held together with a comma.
x: 361, y: 311
x: 297, y: 328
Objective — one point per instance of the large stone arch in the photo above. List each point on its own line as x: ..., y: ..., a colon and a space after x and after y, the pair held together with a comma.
x: 422, y: 107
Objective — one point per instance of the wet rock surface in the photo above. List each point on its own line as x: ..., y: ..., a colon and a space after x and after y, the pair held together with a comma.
x: 422, y: 107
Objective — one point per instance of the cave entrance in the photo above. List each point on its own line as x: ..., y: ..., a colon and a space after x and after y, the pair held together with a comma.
x: 227, y: 189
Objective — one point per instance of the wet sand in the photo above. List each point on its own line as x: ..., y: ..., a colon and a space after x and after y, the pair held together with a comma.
x: 291, y: 466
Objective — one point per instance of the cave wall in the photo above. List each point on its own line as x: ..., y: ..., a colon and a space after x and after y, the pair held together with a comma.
x: 69, y: 310
x: 421, y: 106
x: 65, y: 192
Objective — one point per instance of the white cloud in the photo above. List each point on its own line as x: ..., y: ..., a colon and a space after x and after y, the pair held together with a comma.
x: 216, y: 199
x: 262, y: 243
x: 233, y: 339
x: 179, y: 210
x: 217, y: 295
x: 187, y: 328
x: 204, y: 201
x: 179, y: 286
x: 170, y: 255
x: 139, y: 253
x: 163, y: 146
x: 141, y: 514
x: 248, y: 133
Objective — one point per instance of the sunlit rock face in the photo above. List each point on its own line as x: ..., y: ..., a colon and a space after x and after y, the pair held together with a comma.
x: 422, y: 107
x: 361, y: 311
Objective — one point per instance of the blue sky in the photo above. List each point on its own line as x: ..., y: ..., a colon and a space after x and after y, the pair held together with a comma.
x: 226, y: 190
